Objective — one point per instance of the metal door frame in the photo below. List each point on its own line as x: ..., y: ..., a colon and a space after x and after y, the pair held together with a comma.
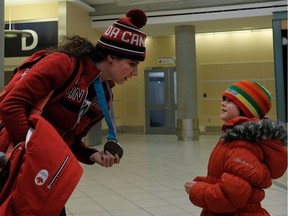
x: 169, y: 106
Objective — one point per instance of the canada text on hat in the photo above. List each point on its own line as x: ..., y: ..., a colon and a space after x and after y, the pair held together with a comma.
x: 124, y: 38
x: 251, y: 98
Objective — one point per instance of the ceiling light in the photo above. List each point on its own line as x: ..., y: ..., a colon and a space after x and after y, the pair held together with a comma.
x: 135, y: 2
x: 12, y: 32
x: 128, y: 2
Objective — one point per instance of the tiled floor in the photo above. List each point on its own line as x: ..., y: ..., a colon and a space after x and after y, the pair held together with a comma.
x: 150, y: 180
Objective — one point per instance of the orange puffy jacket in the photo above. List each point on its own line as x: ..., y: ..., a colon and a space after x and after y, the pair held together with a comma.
x: 248, y: 156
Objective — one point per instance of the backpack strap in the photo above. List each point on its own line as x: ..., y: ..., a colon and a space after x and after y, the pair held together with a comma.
x: 68, y: 82
x: 33, y: 59
x: 38, y: 108
x: 28, y: 62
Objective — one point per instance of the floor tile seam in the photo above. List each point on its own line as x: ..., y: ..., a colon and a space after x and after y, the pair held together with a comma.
x: 278, y: 184
x: 136, y: 206
x: 119, y: 194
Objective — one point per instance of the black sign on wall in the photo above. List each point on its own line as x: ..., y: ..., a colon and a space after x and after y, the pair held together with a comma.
x: 44, y: 35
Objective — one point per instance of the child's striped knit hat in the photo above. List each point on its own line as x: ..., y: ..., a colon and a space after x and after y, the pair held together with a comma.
x: 251, y: 98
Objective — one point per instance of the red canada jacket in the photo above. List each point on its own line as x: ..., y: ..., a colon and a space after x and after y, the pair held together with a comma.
x: 66, y: 112
x: 248, y: 156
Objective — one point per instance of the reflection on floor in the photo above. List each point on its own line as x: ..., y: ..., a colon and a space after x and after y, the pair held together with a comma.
x: 150, y: 178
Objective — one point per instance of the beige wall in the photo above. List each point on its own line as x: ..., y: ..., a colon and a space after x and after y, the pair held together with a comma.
x: 31, y: 12
x: 222, y: 58
x: 78, y: 23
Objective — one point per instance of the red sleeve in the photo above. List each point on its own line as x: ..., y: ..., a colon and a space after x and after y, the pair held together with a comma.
x: 48, y: 74
x: 82, y: 152
x: 245, y: 164
x: 228, y: 195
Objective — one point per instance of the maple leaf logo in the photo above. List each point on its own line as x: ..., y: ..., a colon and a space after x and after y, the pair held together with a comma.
x: 39, y: 180
x: 41, y: 177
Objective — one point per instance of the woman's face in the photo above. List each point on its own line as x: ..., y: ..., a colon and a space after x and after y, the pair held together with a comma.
x: 229, y: 110
x: 122, y: 69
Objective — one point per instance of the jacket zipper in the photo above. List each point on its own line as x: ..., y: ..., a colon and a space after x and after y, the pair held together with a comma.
x: 58, y: 173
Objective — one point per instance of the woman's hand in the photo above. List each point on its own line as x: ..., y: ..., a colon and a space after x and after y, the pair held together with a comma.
x: 105, y: 159
x: 188, y: 186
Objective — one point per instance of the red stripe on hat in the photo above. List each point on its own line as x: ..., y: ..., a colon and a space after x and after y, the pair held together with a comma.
x: 257, y: 94
x: 266, y: 93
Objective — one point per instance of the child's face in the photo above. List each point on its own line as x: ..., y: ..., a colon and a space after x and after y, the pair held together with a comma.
x: 229, y: 110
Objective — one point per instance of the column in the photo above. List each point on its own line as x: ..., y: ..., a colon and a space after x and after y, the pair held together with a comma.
x: 62, y: 19
x: 279, y: 25
x: 187, y: 118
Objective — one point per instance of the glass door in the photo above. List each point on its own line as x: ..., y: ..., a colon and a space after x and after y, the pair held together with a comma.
x: 160, y: 100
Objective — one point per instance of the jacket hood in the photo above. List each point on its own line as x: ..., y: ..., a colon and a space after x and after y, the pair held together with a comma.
x: 270, y: 136
x: 256, y: 131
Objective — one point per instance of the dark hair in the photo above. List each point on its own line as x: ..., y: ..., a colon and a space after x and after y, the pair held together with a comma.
x: 241, y: 113
x: 78, y: 47
x: 74, y: 46
x: 98, y: 56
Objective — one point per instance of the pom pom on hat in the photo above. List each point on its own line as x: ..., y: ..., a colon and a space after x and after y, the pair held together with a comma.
x: 251, y: 98
x: 124, y: 38
x: 138, y: 17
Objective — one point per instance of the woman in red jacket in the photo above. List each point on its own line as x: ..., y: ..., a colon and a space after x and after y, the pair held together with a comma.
x: 250, y: 153
x: 114, y: 59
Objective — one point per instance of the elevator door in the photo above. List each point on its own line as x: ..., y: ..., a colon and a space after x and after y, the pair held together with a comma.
x: 160, y: 100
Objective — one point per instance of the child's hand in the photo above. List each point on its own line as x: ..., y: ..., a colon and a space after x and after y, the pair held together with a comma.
x: 188, y: 186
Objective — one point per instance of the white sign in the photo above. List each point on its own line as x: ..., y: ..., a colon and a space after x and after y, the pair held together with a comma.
x: 168, y: 60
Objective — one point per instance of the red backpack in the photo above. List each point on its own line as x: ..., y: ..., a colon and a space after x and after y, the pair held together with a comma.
x: 41, y: 179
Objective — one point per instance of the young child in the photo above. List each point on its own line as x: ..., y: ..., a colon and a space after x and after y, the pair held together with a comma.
x: 250, y: 153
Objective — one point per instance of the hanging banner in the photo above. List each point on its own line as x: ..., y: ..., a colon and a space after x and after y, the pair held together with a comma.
x: 43, y: 35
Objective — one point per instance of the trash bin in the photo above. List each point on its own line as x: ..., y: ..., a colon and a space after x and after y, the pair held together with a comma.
x: 94, y: 137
